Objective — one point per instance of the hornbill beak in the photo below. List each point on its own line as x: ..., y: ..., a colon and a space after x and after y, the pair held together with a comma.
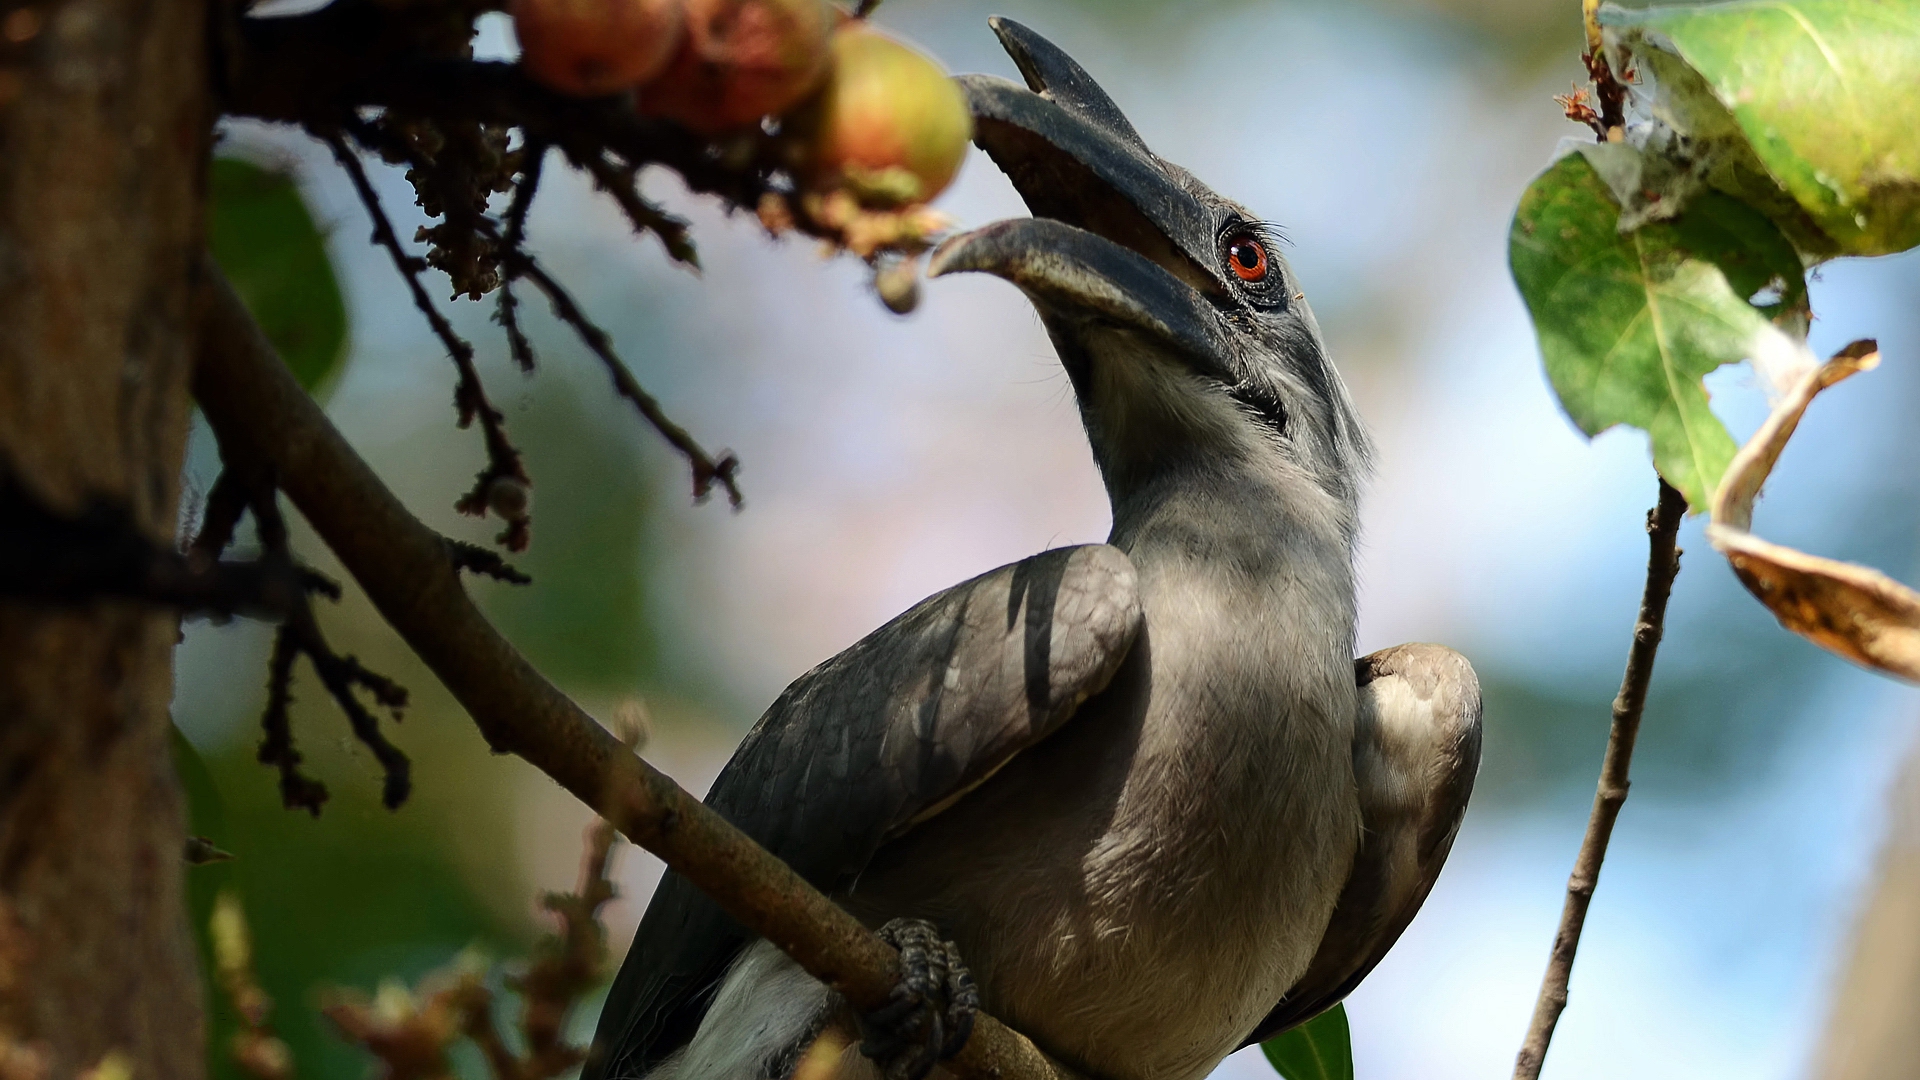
x: 1072, y: 274
x: 1118, y: 236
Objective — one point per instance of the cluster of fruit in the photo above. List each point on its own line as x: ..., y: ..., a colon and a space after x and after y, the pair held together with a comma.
x: 860, y: 116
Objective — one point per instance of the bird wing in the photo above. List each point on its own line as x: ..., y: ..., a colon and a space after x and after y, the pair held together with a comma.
x: 1416, y: 749
x: 870, y: 743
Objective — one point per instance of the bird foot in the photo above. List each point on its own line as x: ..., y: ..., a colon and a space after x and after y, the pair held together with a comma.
x: 931, y: 1012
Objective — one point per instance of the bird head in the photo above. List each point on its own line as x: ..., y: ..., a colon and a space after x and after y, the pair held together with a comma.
x: 1187, y: 338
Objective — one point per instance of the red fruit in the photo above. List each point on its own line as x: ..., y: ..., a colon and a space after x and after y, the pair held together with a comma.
x: 590, y: 48
x: 742, y: 60
x: 890, y: 125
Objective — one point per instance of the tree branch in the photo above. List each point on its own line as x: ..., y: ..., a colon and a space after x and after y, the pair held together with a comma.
x: 1663, y: 563
x: 533, y: 158
x: 1611, y: 123
x: 73, y: 560
x: 469, y: 395
x: 255, y: 405
x: 244, y: 483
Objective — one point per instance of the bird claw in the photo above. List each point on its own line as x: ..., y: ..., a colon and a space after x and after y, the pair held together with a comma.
x: 930, y: 1013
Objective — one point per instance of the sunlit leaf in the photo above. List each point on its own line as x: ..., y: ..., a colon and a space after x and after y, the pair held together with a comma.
x: 1826, y: 92
x: 1320, y: 1049
x: 1630, y: 323
x: 265, y: 240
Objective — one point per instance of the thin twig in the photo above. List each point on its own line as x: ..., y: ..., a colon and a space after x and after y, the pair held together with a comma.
x: 413, y: 1034
x: 300, y: 635
x: 478, y: 1025
x: 507, y: 314
x: 297, y: 789
x: 706, y: 470
x: 1612, y: 123
x: 622, y: 183
x: 245, y: 486
x: 533, y: 157
x: 470, y: 399
x: 567, y: 965
x: 253, y: 402
x: 225, y: 505
x: 1663, y: 562
x: 469, y: 396
x: 478, y: 560
x: 517, y: 263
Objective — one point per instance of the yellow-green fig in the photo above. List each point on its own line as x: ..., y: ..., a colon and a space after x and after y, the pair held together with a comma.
x: 889, y: 125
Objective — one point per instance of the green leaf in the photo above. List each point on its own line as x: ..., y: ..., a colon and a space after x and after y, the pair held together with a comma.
x: 1320, y: 1049
x: 265, y: 240
x: 1826, y: 92
x: 1629, y: 324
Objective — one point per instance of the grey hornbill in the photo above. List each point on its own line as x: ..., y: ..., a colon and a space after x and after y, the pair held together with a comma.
x: 1142, y: 788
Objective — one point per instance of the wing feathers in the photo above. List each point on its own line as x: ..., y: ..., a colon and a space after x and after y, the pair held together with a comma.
x: 874, y: 740
x: 1416, y: 750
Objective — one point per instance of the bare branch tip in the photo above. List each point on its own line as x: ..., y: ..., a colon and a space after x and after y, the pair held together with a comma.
x: 469, y: 395
x: 1663, y: 563
x: 478, y: 560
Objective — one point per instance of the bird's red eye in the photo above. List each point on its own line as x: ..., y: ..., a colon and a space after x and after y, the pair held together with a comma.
x: 1247, y: 258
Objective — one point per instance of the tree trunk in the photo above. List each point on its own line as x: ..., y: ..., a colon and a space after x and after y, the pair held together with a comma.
x: 1873, y: 1032
x: 104, y: 134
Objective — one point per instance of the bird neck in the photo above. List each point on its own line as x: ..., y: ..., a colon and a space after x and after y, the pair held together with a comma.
x: 1259, y: 526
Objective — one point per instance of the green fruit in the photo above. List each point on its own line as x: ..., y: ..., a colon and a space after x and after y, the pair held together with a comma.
x: 889, y: 125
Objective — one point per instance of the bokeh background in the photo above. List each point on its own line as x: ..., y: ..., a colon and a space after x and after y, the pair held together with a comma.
x: 887, y: 457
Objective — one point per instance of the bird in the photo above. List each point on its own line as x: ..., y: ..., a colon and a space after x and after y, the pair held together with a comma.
x: 1136, y: 799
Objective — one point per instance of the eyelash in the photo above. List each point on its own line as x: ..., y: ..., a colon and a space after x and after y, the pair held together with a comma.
x: 1267, y: 232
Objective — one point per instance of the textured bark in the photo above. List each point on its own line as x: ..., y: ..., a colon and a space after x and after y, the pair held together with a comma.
x: 104, y: 132
x: 1874, y: 1031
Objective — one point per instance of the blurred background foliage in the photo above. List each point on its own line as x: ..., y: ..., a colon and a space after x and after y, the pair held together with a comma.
x: 1392, y: 139
x: 270, y: 248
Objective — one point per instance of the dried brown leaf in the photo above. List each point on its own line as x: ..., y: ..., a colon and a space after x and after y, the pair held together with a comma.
x: 1854, y: 611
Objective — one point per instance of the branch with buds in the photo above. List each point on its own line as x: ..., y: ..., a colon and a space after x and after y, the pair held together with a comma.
x: 795, y: 111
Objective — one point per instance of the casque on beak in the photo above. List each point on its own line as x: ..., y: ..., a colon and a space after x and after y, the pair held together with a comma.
x: 1116, y: 237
